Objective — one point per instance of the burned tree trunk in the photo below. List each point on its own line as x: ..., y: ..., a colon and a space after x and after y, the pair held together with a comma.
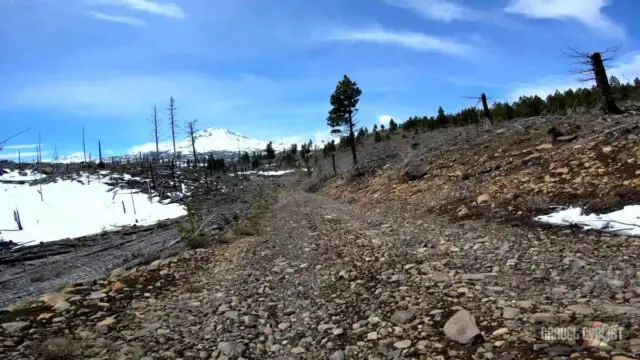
x: 602, y: 81
x: 485, y: 108
x: 333, y: 161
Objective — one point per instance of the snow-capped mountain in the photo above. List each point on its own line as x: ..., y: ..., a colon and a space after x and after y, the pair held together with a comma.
x: 76, y: 157
x: 212, y: 140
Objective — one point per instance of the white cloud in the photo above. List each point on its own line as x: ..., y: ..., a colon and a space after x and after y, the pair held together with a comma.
x: 118, y: 19
x: 626, y: 69
x: 21, y: 146
x: 442, y: 10
x: 587, y: 12
x: 172, y: 10
x: 412, y: 40
x: 167, y: 9
x: 384, y: 119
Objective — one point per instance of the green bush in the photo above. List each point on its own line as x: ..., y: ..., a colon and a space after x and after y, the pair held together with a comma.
x: 191, y: 232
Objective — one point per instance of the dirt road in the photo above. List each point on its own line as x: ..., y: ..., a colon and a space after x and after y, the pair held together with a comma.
x: 325, y: 280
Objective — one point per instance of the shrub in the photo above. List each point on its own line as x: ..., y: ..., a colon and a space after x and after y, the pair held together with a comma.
x: 191, y: 232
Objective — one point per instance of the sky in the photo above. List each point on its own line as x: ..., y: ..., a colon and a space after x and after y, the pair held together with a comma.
x: 266, y: 69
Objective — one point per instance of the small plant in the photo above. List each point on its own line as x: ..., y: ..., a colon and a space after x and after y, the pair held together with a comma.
x: 190, y: 233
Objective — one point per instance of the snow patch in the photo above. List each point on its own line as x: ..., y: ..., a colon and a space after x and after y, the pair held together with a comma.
x: 267, y: 173
x: 624, y: 222
x: 17, y: 175
x: 73, y: 208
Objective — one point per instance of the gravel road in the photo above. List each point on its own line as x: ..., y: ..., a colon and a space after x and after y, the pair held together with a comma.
x: 325, y: 280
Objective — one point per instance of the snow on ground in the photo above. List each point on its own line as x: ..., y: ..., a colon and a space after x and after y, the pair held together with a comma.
x: 267, y: 173
x: 625, y: 221
x: 15, y: 175
x: 74, y: 208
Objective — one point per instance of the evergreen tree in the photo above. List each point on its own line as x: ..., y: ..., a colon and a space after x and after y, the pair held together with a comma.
x: 614, y: 82
x: 376, y: 136
x: 442, y: 118
x: 636, y: 82
x: 393, y: 126
x: 375, y: 127
x: 344, y: 102
x: 270, y: 152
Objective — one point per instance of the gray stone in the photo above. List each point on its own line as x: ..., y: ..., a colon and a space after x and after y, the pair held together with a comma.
x: 402, y: 344
x: 510, y: 313
x: 15, y: 327
x: 231, y: 349
x: 401, y: 317
x: 461, y: 327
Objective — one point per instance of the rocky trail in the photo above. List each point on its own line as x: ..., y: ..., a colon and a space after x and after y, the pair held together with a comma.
x: 325, y: 280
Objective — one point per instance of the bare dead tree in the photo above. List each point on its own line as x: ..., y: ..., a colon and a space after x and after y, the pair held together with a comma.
x: 485, y: 108
x: 191, y: 129
x: 6, y: 140
x: 593, y: 67
x: 172, y: 122
x: 100, y: 153
x: 156, y: 126
x: 84, y: 148
x: 39, y: 151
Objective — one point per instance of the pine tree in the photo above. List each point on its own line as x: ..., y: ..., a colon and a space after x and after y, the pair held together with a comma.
x: 271, y: 153
x: 442, y: 118
x: 344, y: 102
x: 636, y: 82
x: 393, y: 126
x: 376, y: 136
x: 614, y: 82
x: 375, y: 127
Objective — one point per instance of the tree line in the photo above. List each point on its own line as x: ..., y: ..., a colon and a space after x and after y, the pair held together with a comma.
x: 345, y: 99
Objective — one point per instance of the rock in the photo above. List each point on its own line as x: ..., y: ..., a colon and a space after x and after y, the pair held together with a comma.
x: 284, y: 326
x: 510, y: 312
x: 298, y: 350
x: 154, y: 265
x: 117, y: 287
x: 634, y: 345
x: 324, y: 327
x: 567, y: 138
x: 96, y: 295
x: 463, y: 211
x: 402, y: 344
x: 549, y: 318
x: 105, y: 325
x: 484, y: 198
x: 61, y: 305
x: 545, y: 147
x: 461, y: 327
x: 372, y: 335
x: 58, y: 348
x: 530, y: 157
x: 13, y: 328
x: 401, y: 317
x: 581, y: 309
x: 337, y: 355
x: 118, y: 273
x: 231, y: 349
x: 500, y: 332
x: 607, y: 149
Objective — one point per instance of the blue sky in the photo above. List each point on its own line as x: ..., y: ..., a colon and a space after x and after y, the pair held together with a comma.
x: 266, y: 69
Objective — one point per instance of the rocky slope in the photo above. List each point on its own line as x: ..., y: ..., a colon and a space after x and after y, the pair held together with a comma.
x: 509, y: 172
